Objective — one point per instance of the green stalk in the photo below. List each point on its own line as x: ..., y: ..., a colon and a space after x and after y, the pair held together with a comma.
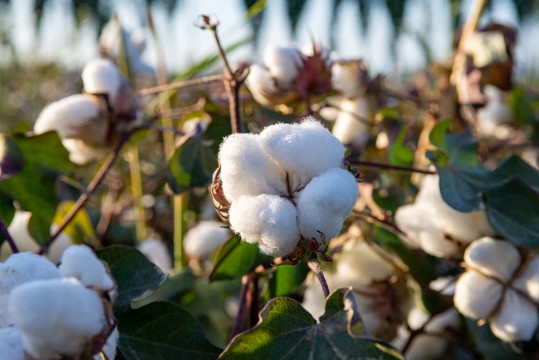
x: 136, y: 189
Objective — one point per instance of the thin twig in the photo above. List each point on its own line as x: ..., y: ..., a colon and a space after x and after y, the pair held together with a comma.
x: 241, y: 309
x: 315, y: 267
x: 179, y: 85
x: 389, y: 167
x: 252, y: 299
x: 9, y: 238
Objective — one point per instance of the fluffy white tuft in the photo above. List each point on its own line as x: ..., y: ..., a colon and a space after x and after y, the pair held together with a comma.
x: 363, y: 264
x: 56, y: 317
x: 100, y: 76
x: 493, y: 257
x: 18, y: 228
x: 283, y: 63
x: 11, y: 346
x: 516, y: 320
x: 202, y: 240
x: 476, y: 296
x: 350, y: 126
x: 157, y: 252
x: 528, y: 279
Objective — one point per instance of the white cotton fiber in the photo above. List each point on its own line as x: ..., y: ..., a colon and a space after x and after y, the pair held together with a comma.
x: 82, y: 153
x: 23, y: 267
x: 345, y: 78
x: 18, y: 228
x: 363, y: 264
x: 476, y: 296
x: 261, y: 84
x: 269, y: 220
x: 304, y: 150
x: 80, y: 262
x: 109, y: 349
x: 350, y: 126
x: 56, y: 317
x: 11, y: 347
x: 247, y: 170
x: 283, y: 63
x: 528, y: 279
x: 516, y: 320
x: 157, y: 252
x: 202, y: 240
x: 496, y: 258
x: 100, y: 76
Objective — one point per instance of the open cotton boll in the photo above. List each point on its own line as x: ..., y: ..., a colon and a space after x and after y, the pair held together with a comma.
x: 80, y: 116
x: 516, y: 320
x: 202, y: 240
x: 476, y: 296
x: 269, y: 220
x: 304, y: 150
x: 528, y: 279
x: 56, y: 317
x: 109, y: 349
x: 363, y: 264
x: 23, y: 267
x: 157, y: 252
x: 18, y: 228
x: 283, y: 62
x: 350, y: 126
x: 82, y: 153
x: 100, y: 76
x: 11, y: 346
x: 247, y: 170
x: 324, y: 204
x: 261, y: 84
x: 80, y: 262
x: 493, y: 257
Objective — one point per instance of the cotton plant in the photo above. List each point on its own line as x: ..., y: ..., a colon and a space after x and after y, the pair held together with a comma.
x: 285, y: 189
x: 88, y: 123
x: 437, y: 228
x: 501, y: 285
x: 289, y: 74
x: 51, y: 313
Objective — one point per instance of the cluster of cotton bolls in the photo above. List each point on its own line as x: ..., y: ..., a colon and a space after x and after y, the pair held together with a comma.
x: 500, y: 284
x: 286, y: 184
x: 88, y: 123
x: 51, y: 313
x: 437, y: 228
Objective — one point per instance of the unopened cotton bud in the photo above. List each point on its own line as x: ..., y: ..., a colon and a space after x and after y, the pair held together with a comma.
x: 80, y: 262
x: 268, y: 220
x: 157, y: 252
x: 56, y: 317
x: 203, y: 239
x: 325, y: 203
x: 283, y: 63
x: 100, y: 76
x: 11, y: 346
x: 493, y: 257
x: 304, y: 150
x: 528, y: 279
x: 476, y: 296
x: 516, y: 319
x: 350, y: 126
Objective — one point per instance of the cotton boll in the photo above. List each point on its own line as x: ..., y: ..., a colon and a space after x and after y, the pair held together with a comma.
x: 346, y: 79
x: 304, y: 150
x: 516, y: 320
x: 350, y: 126
x: 247, y: 170
x: 528, y: 279
x: 283, y: 63
x: 157, y: 252
x: 100, y: 76
x: 493, y: 257
x: 267, y: 219
x: 109, y: 349
x: 56, y: 317
x: 476, y: 296
x: 80, y: 116
x: 202, y: 240
x: 263, y: 86
x: 18, y: 228
x: 11, y: 346
x: 363, y: 264
x: 80, y: 262
x: 82, y: 153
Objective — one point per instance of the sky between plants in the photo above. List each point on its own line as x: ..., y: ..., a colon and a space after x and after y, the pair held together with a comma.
x: 184, y: 44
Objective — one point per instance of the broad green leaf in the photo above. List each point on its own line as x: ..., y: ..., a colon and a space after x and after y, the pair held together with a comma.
x: 287, y: 278
x: 163, y: 330
x: 11, y: 159
x: 235, y: 259
x: 191, y: 166
x: 513, y: 211
x: 134, y: 274
x: 287, y: 331
x: 45, y: 149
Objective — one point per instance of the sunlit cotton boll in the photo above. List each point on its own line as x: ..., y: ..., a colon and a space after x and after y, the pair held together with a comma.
x: 528, y: 280
x: 268, y: 220
x: 11, y: 346
x: 202, y: 240
x: 157, y: 252
x: 283, y: 62
x: 491, y: 257
x: 100, y: 76
x: 56, y: 317
x: 517, y: 318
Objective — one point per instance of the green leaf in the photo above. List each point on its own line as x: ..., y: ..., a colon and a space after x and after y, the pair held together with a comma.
x: 10, y: 157
x: 288, y: 331
x: 135, y: 275
x: 235, y: 259
x: 400, y: 154
x: 191, y: 166
x: 163, y: 331
x: 513, y: 210
x: 287, y: 278
x: 34, y: 187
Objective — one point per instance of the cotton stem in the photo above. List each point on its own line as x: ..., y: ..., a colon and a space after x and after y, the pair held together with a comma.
x: 389, y: 167
x: 9, y: 238
x: 315, y: 267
